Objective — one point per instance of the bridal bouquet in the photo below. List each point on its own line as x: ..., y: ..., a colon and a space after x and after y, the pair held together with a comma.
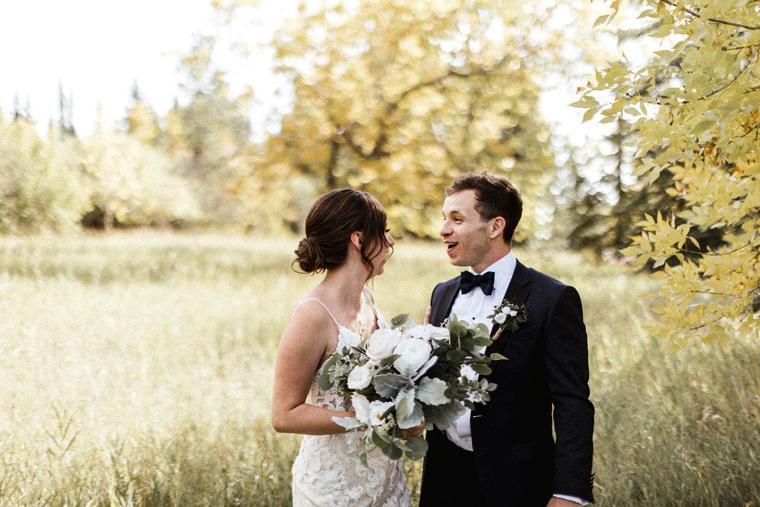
x: 408, y: 375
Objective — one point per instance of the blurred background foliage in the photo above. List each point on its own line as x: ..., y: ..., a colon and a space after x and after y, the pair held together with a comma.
x: 399, y: 97
x: 393, y: 97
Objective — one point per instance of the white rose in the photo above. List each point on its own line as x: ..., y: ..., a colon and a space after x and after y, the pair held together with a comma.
x: 414, y: 353
x: 428, y: 332
x: 500, y: 318
x: 382, y: 343
x: 467, y: 372
x: 512, y: 313
x: 376, y: 411
x: 360, y: 377
x: 347, y: 338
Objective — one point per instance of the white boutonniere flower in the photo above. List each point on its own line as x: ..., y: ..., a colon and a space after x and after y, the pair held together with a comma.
x: 508, y: 316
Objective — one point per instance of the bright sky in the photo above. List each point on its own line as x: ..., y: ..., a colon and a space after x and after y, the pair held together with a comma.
x: 97, y: 49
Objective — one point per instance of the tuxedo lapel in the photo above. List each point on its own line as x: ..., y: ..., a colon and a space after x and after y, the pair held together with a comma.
x: 443, y: 308
x: 517, y: 291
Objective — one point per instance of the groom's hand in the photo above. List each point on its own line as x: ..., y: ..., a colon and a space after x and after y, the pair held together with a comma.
x: 561, y: 502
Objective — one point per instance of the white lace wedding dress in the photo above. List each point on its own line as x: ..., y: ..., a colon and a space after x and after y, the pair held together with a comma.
x: 327, y: 470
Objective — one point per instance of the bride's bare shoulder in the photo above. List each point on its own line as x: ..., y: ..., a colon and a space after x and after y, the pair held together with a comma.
x: 311, y: 317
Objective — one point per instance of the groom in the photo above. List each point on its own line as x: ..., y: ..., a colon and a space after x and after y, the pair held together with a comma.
x: 503, y: 453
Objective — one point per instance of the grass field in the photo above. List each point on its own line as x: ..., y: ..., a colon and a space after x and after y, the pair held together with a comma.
x: 136, y: 370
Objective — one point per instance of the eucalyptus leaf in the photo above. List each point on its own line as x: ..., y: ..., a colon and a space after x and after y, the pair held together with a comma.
x: 481, y: 368
x: 495, y: 356
x: 416, y: 447
x: 456, y: 356
x: 443, y: 416
x: 404, y: 403
x: 350, y: 423
x: 388, y: 361
x: 481, y: 341
x: 456, y: 328
x: 392, y: 451
x: 431, y: 391
x: 379, y: 440
x: 388, y: 385
x: 414, y: 419
x: 399, y: 320
x: 325, y: 381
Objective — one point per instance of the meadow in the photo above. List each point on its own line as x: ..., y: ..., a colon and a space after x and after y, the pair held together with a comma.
x: 136, y: 369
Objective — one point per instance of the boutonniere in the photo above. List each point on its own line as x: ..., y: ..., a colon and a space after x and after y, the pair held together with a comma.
x: 508, y: 316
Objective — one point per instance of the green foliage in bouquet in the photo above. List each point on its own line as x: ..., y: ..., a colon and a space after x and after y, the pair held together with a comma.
x: 408, y: 376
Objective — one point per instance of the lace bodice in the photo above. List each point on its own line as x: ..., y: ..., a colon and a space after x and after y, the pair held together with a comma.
x: 327, y: 470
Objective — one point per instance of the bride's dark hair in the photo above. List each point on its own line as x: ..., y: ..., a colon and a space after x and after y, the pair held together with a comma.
x: 329, y: 225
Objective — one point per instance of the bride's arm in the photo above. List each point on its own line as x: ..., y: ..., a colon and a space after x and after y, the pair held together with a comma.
x: 301, y: 348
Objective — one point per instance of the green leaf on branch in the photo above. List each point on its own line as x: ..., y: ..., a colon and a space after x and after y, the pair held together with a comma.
x: 325, y: 378
x: 388, y: 385
x: 416, y: 447
x: 399, y: 320
x: 481, y: 368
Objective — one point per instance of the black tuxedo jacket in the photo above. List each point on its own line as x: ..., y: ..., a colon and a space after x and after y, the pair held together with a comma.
x: 517, y: 460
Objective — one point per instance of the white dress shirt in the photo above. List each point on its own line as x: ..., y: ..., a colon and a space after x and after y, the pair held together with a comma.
x: 475, y: 307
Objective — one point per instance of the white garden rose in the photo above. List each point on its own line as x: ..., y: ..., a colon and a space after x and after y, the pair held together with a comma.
x: 467, y: 372
x: 360, y: 377
x: 512, y: 313
x: 428, y: 332
x: 382, y: 343
x: 414, y: 353
x: 347, y: 338
x: 500, y: 318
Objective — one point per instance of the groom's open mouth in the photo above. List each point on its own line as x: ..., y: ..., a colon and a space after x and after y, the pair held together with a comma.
x: 451, y: 246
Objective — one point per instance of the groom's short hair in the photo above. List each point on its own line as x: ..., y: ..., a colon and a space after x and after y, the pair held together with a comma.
x: 496, y: 197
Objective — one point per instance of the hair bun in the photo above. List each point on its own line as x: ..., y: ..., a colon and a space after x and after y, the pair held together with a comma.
x: 309, y: 256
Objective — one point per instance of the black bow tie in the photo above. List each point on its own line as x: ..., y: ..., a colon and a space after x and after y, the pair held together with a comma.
x: 468, y: 281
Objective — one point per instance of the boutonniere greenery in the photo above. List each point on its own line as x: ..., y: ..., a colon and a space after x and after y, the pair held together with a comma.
x: 508, y: 316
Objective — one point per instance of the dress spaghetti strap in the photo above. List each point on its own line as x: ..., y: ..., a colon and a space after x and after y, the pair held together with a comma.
x: 368, y: 298
x: 325, y: 307
x: 378, y: 316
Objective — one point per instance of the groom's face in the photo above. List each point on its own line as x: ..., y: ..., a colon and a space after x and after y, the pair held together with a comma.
x: 464, y: 231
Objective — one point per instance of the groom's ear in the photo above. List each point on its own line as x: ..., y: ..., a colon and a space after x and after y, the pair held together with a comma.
x: 496, y: 227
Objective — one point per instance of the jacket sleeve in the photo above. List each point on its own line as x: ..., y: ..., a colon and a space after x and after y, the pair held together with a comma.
x: 566, y: 360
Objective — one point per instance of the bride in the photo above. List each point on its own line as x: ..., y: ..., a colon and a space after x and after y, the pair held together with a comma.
x: 347, y: 238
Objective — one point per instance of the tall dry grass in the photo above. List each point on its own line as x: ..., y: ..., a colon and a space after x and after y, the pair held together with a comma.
x: 136, y: 370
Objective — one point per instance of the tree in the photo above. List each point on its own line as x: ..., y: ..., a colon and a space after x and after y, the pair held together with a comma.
x: 65, y: 113
x: 130, y: 183
x: 214, y: 131
x: 398, y: 97
x: 702, y: 125
x: 141, y: 121
x: 40, y: 180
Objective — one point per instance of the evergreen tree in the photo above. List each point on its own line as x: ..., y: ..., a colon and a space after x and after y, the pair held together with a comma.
x: 141, y: 121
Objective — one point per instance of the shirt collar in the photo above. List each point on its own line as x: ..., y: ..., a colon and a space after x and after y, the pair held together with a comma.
x: 503, y: 270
